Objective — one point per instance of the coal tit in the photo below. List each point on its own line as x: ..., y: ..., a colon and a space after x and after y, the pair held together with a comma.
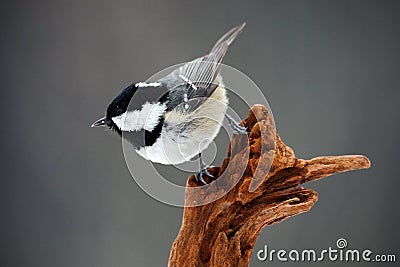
x: 174, y: 119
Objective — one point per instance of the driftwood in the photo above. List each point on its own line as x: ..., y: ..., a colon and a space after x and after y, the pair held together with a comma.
x: 224, y: 232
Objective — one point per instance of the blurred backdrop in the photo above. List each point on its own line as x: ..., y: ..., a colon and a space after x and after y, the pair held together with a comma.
x: 330, y: 71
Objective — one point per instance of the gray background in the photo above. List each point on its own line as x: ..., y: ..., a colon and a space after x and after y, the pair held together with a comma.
x: 330, y: 70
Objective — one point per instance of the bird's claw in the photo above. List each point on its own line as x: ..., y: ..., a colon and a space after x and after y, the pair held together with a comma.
x: 237, y: 129
x: 200, y: 175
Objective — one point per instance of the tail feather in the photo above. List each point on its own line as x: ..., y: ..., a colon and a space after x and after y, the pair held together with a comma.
x: 230, y: 36
x: 203, y: 71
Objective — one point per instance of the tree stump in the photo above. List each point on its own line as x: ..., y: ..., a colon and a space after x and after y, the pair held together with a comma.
x: 224, y: 232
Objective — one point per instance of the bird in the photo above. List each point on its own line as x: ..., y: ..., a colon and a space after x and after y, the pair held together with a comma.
x: 175, y: 118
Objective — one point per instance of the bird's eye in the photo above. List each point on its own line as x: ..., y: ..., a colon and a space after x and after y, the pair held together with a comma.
x: 118, y: 109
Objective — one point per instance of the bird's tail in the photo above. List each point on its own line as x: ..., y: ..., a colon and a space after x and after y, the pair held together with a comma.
x: 204, y: 70
x: 230, y: 36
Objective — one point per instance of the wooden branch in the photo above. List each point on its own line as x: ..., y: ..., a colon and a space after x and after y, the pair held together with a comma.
x: 224, y: 232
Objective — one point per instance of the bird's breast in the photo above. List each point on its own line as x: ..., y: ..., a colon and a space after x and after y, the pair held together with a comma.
x: 184, y: 135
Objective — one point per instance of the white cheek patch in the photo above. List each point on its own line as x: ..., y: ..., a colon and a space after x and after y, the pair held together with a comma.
x: 147, y: 118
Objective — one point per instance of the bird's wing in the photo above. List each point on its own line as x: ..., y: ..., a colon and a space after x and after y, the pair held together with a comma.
x: 199, y: 75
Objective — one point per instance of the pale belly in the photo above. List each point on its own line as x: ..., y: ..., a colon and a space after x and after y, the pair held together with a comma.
x: 184, y: 136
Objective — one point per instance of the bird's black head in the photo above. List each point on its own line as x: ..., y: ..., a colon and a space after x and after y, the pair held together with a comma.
x: 116, y: 108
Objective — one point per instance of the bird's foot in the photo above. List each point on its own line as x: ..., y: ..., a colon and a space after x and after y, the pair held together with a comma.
x: 237, y: 129
x: 202, y: 172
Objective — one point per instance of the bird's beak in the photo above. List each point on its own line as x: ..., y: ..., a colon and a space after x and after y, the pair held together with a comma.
x: 100, y: 122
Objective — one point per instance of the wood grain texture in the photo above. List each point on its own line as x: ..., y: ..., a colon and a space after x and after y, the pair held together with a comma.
x: 224, y: 232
